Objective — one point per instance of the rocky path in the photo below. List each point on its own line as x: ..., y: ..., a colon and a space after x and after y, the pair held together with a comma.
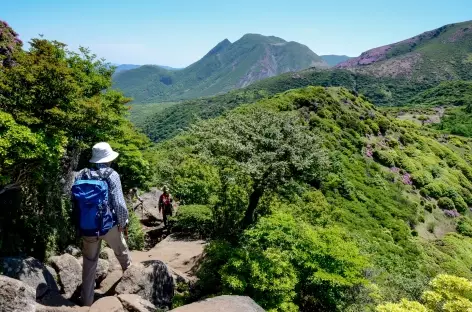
x: 180, y: 254
x: 148, y: 285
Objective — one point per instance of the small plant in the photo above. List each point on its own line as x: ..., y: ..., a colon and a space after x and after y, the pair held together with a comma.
x: 431, y: 226
x: 446, y: 203
x: 193, y: 219
x: 429, y: 207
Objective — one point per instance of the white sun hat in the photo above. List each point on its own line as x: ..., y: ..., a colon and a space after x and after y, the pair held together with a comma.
x: 102, y: 153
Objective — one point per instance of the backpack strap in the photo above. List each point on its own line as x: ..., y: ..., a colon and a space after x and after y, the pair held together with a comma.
x: 106, y: 174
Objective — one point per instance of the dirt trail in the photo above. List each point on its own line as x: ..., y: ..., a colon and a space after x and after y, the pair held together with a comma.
x: 181, y: 254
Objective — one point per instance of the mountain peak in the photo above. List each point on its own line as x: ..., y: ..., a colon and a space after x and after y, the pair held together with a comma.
x: 220, y: 47
x: 258, y: 38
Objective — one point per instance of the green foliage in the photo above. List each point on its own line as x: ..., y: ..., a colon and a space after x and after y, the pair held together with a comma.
x: 135, y: 233
x: 456, y: 93
x: 446, y: 203
x: 54, y: 105
x: 194, y: 220
x: 448, y: 293
x: 379, y: 206
x: 269, y: 148
x: 284, y: 259
x: 464, y: 226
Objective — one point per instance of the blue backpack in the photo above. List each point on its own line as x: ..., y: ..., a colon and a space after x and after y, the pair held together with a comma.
x: 91, y: 198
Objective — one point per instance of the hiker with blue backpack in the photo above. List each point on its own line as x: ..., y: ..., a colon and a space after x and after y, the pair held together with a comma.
x: 101, y: 214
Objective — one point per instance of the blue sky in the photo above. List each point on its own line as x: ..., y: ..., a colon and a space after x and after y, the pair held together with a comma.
x: 179, y: 32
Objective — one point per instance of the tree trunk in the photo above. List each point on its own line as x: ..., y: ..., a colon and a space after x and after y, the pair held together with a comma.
x: 253, y: 202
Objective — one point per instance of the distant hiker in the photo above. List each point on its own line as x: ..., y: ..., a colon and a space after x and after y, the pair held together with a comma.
x: 165, y: 204
x: 101, y: 214
x: 134, y: 196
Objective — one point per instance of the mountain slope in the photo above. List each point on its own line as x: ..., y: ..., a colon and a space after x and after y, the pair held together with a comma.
x: 441, y: 54
x: 227, y: 66
x: 334, y: 60
x: 399, y: 191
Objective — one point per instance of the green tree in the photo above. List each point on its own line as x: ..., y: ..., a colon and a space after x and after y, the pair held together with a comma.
x: 271, y: 148
x: 448, y: 293
x: 54, y: 105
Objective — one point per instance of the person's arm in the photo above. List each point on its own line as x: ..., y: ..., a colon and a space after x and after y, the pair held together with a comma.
x: 117, y: 200
x: 160, y: 203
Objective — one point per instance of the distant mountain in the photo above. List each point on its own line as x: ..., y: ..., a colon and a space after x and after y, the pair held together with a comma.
x: 225, y: 67
x: 444, y: 53
x: 125, y: 67
x: 334, y: 60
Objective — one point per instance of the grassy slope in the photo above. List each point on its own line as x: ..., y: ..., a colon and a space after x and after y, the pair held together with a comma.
x: 390, y: 231
x: 225, y: 67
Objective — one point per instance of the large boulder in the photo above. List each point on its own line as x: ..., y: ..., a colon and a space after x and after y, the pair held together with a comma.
x: 102, y: 270
x: 107, y: 304
x: 70, y: 274
x: 151, y: 280
x: 16, y: 296
x: 45, y: 308
x: 134, y: 303
x: 73, y: 251
x: 108, y: 285
x: 31, y: 272
x: 222, y: 304
x: 108, y: 254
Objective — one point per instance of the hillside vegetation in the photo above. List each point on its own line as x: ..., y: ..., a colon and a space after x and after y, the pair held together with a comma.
x: 317, y: 225
x: 386, y: 91
x: 440, y: 54
x: 225, y: 67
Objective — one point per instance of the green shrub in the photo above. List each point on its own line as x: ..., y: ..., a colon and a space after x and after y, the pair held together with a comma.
x: 459, y: 203
x: 446, y: 203
x: 387, y: 158
x: 431, y: 226
x: 429, y: 207
x: 135, y: 232
x: 464, y: 226
x: 421, y: 178
x: 321, y: 264
x: 193, y: 219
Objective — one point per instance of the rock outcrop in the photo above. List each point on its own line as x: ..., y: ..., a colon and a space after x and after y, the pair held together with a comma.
x: 70, y: 274
x: 135, y: 303
x: 107, y: 304
x: 222, y: 304
x: 31, y: 272
x: 16, y: 296
x: 150, y: 280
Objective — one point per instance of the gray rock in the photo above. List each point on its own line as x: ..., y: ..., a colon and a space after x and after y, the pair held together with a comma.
x: 102, y: 270
x: 108, y: 254
x: 73, y: 251
x: 151, y: 280
x: 70, y: 273
x: 31, y: 272
x: 43, y: 308
x: 222, y: 304
x: 54, y: 299
x: 134, y: 303
x: 108, y: 304
x: 108, y: 285
x: 16, y: 296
